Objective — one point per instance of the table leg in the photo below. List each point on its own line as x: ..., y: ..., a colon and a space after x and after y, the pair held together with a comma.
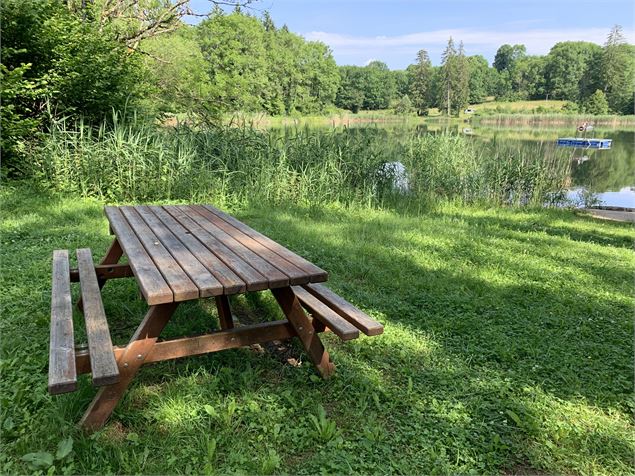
x: 224, y: 312
x: 304, y: 329
x: 112, y: 256
x: 129, y: 362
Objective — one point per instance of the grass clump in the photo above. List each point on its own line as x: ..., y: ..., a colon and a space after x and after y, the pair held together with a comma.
x: 507, y: 350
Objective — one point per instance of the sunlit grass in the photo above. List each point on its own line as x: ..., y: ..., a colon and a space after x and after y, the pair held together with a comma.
x: 506, y: 349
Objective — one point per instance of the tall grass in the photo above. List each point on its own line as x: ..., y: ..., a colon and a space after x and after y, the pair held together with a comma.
x: 137, y: 161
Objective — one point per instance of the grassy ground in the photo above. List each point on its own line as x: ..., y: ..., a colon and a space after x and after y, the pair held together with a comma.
x: 507, y: 349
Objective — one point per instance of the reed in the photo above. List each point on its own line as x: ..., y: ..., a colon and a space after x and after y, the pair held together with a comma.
x: 134, y: 161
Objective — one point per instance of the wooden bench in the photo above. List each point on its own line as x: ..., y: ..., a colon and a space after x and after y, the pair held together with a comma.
x: 335, y: 313
x: 62, y: 363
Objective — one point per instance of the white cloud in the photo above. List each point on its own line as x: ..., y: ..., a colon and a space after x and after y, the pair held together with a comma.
x: 537, y: 41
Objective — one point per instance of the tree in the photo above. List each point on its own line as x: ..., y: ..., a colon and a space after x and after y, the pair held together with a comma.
x: 507, y: 55
x: 566, y: 66
x: 350, y: 94
x: 617, y: 72
x: 478, y: 79
x: 449, y: 74
x: 404, y: 106
x: 420, y: 77
x: 528, y: 78
x: 455, y: 78
x: 597, y: 103
x: 379, y: 86
x: 178, y: 73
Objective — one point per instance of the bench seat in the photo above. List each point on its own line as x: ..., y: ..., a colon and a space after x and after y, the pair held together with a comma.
x: 336, y: 313
x: 62, y: 364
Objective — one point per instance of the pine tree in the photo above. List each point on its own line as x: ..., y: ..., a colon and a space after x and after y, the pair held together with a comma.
x: 462, y: 90
x: 617, y: 72
x: 420, y: 82
x: 448, y: 78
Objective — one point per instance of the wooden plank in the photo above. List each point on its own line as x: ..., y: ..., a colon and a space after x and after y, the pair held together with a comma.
x: 62, y: 371
x: 153, y: 287
x: 359, y: 319
x: 316, y: 274
x: 254, y: 281
x: 231, y: 282
x: 295, y: 274
x: 214, y: 342
x: 102, y: 359
x: 182, y: 286
x: 303, y: 328
x: 206, y: 282
x: 275, y: 277
x: 106, y: 271
x: 340, y: 326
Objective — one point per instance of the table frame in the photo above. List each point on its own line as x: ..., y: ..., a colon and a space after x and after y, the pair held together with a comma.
x: 144, y: 346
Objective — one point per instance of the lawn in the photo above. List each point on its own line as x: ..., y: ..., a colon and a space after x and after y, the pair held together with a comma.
x: 507, y: 349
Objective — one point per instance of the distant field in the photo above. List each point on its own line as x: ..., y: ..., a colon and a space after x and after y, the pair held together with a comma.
x: 539, y: 106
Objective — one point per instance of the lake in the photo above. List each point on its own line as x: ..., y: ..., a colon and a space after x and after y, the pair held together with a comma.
x: 597, y: 177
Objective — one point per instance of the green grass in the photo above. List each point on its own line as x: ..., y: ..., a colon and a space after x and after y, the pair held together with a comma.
x: 507, y: 348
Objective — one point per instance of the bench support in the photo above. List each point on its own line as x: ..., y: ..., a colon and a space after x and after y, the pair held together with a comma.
x: 304, y: 330
x: 128, y: 362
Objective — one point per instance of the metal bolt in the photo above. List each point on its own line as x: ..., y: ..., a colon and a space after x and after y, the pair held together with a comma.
x: 125, y: 364
x: 300, y: 328
x: 139, y: 356
x: 156, y: 243
x: 233, y: 339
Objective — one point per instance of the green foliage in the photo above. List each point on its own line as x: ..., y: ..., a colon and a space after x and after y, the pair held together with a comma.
x: 404, y: 106
x: 454, y: 91
x: 178, y: 73
x: 55, y: 63
x: 567, y: 65
x: 420, y: 76
x: 596, y: 103
x: 507, y: 56
x: 617, y: 73
x: 255, y: 67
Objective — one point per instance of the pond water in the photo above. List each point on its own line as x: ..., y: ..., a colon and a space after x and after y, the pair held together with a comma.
x: 597, y: 177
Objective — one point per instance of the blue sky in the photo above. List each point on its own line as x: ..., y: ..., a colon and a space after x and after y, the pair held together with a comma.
x: 359, y: 31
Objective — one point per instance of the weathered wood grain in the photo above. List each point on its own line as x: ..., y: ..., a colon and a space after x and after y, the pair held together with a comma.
x: 359, y: 319
x: 62, y: 371
x: 340, y: 326
x: 304, y: 329
x: 231, y: 282
x: 102, y: 359
x: 151, y: 282
x: 206, y: 282
x: 182, y: 286
x: 295, y: 274
x: 275, y: 277
x: 315, y: 273
x: 254, y: 281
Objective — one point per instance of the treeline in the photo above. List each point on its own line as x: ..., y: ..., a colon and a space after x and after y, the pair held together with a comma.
x: 85, y: 59
x: 594, y: 79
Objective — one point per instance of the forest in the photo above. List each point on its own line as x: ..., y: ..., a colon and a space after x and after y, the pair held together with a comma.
x: 83, y: 60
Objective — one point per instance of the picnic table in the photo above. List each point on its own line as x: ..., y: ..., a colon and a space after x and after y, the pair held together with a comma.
x: 178, y: 254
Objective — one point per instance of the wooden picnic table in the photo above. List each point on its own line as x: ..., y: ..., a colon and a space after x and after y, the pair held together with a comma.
x: 180, y: 253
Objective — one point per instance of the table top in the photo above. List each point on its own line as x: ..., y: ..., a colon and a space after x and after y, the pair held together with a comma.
x: 183, y: 252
